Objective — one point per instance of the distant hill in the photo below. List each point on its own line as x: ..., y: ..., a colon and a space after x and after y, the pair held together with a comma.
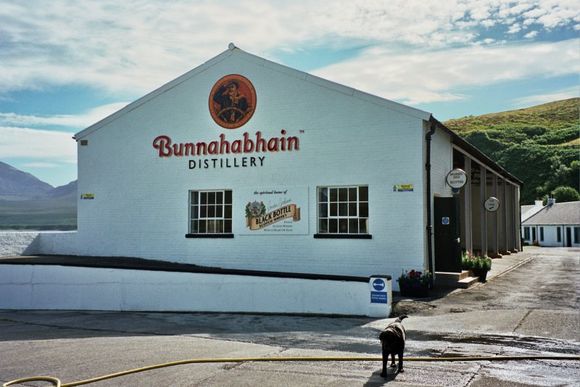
x: 540, y: 145
x: 29, y: 203
x: 68, y: 191
x: 18, y: 185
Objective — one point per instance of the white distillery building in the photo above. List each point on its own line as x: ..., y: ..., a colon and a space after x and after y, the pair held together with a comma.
x: 553, y: 225
x: 245, y: 164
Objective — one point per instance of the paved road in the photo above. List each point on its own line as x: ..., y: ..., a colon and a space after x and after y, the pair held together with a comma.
x: 530, y: 310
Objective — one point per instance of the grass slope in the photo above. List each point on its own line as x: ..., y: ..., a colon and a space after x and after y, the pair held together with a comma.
x: 540, y: 144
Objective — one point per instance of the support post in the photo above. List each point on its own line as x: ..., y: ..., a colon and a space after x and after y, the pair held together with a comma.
x: 467, y: 203
x: 482, y: 211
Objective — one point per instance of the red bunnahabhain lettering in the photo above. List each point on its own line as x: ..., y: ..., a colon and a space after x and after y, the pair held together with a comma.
x: 163, y: 144
x: 257, y: 144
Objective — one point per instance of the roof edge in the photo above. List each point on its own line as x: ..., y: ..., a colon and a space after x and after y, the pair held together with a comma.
x: 347, y: 90
x: 156, y: 92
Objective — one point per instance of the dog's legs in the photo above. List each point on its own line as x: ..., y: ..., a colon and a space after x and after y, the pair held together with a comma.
x: 400, y: 361
x: 385, y: 361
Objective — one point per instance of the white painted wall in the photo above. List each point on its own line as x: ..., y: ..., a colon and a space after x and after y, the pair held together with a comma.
x: 140, y: 206
x: 74, y: 288
x: 441, y: 163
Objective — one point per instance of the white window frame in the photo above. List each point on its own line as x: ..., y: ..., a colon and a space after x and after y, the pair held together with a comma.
x: 344, y: 211
x: 210, y: 218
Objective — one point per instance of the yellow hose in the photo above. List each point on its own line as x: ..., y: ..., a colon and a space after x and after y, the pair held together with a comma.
x: 56, y: 382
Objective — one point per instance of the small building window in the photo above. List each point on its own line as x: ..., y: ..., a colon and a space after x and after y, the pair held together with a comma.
x: 210, y: 212
x: 527, y: 233
x: 542, y: 234
x: 343, y: 210
x: 576, y: 234
x: 558, y: 234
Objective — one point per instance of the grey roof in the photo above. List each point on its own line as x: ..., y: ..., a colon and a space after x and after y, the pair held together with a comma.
x: 526, y: 211
x: 527, y: 207
x: 558, y: 213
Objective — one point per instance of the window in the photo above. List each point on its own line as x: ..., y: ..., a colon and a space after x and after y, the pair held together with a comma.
x: 343, y: 211
x: 210, y: 213
x: 542, y: 233
x: 558, y: 234
x: 527, y: 233
x: 576, y: 234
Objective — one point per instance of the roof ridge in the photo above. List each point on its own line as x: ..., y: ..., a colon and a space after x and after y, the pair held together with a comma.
x: 231, y: 50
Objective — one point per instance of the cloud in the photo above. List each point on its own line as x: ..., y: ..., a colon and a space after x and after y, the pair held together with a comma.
x: 531, y: 35
x: 136, y: 46
x: 429, y: 76
x: 569, y: 92
x: 37, y: 145
x: 78, y: 122
x: 514, y: 28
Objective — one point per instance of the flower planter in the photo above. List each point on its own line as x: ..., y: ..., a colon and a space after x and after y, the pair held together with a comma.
x: 412, y: 291
x: 481, y: 273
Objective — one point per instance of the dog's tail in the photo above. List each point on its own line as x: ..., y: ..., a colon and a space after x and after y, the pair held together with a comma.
x: 400, y: 318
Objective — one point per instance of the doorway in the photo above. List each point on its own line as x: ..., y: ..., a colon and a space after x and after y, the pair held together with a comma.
x: 447, y: 240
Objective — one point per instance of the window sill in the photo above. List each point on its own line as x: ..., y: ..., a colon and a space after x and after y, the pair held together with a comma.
x: 343, y: 236
x: 211, y: 236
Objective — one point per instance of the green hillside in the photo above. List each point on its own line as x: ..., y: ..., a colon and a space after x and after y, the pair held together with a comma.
x: 540, y: 145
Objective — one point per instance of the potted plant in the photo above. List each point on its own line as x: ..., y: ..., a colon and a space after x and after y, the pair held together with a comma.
x: 415, y: 283
x: 478, y: 265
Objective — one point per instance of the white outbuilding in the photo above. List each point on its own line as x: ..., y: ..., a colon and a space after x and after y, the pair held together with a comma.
x: 553, y: 225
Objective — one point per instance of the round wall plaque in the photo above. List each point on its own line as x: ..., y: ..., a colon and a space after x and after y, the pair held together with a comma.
x: 492, y: 204
x: 456, y: 178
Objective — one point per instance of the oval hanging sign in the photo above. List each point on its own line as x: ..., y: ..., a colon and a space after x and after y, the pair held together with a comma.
x: 492, y: 204
x: 456, y: 178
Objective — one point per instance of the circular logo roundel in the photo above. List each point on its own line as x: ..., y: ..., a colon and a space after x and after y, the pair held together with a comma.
x: 232, y: 101
x: 378, y: 284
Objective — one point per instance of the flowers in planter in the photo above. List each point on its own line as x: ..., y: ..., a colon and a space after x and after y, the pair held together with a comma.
x: 474, y: 262
x: 478, y: 265
x: 415, y: 279
x: 415, y: 283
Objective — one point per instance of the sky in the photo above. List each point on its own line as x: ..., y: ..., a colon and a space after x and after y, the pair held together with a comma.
x: 65, y: 65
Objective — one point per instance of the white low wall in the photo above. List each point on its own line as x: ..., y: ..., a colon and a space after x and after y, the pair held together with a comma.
x: 58, y: 243
x: 14, y: 243
x: 18, y: 243
x: 75, y: 288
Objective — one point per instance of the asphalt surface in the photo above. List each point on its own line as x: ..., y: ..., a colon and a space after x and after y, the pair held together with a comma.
x: 530, y: 309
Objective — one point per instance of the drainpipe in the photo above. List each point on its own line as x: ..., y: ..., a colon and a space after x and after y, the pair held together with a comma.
x: 428, y: 194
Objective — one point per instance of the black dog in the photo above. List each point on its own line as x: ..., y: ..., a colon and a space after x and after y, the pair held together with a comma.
x: 393, y: 342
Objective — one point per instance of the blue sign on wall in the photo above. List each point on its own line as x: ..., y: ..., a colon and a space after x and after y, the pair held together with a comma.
x: 378, y: 297
x: 378, y: 284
